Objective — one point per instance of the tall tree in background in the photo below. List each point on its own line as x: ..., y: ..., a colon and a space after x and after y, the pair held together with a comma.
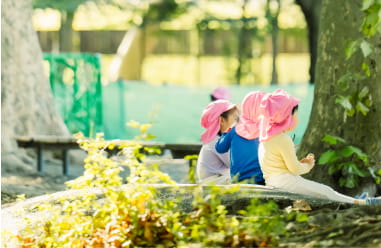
x: 311, y: 11
x: 347, y: 98
x: 27, y: 106
x: 272, y: 14
x: 244, y: 45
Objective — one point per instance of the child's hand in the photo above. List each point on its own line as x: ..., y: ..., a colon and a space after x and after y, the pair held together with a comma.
x: 310, y: 160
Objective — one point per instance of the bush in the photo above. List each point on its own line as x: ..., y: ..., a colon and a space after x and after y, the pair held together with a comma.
x: 135, y: 216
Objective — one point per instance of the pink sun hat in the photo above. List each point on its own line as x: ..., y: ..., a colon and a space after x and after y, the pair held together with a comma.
x: 276, y: 114
x: 221, y: 93
x: 248, y: 125
x: 210, y: 119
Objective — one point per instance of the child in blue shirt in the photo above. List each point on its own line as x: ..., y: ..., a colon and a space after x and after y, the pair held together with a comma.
x: 243, y: 142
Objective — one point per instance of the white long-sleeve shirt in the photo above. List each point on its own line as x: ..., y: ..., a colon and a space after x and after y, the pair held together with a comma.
x: 277, y: 156
x: 211, y: 163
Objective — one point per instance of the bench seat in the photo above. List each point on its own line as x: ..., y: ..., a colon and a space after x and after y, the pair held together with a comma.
x: 66, y: 143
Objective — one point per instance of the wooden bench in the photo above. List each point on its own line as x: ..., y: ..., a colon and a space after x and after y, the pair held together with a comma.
x: 181, y: 150
x: 41, y: 143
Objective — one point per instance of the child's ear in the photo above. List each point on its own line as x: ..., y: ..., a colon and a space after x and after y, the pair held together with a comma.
x: 221, y: 119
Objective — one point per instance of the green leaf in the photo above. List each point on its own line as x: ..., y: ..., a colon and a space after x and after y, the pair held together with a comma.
x: 366, y: 48
x: 362, y: 156
x: 365, y: 68
x: 357, y: 171
x: 358, y: 76
x: 344, y: 101
x: 366, y: 4
x: 351, y: 49
x: 332, y: 140
x: 372, y: 172
x: 344, y: 80
x: 379, y: 172
x: 302, y: 218
x: 378, y: 180
x: 349, y: 150
x: 363, y: 93
x: 362, y: 108
x: 342, y: 181
x: 349, y: 168
x: 329, y: 156
x: 350, y: 112
x: 368, y: 101
x: 333, y: 169
x: 350, y: 182
x: 353, y: 169
x: 334, y: 234
x: 144, y: 127
x: 369, y: 25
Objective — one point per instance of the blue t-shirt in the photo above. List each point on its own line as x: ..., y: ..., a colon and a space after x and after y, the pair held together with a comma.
x: 243, y: 155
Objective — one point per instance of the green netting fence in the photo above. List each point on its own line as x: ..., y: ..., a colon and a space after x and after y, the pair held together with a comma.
x: 175, y: 110
x: 75, y: 80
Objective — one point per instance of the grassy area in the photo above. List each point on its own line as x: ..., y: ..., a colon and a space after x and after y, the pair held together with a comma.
x: 217, y: 70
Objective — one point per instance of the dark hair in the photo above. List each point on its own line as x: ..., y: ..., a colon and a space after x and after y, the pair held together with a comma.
x: 295, y: 109
x: 213, y: 98
x: 226, y: 113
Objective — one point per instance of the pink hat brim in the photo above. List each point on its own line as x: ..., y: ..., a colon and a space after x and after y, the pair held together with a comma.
x: 213, y: 126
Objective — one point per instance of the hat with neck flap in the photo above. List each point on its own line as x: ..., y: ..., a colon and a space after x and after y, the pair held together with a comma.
x: 210, y: 119
x: 276, y: 116
x: 248, y: 125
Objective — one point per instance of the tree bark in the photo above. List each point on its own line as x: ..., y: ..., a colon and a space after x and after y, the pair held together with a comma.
x: 27, y: 106
x: 340, y: 25
x: 66, y: 31
x: 243, y: 46
x: 272, y: 17
x: 311, y: 11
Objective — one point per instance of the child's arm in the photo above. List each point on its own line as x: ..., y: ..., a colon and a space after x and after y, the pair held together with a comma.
x: 295, y: 166
x: 223, y: 143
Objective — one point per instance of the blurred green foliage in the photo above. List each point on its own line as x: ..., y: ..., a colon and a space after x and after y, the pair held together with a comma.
x: 136, y: 216
x: 348, y: 163
x: 64, y: 6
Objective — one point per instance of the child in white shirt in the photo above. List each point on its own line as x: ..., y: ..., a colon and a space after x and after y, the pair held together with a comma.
x: 216, y: 118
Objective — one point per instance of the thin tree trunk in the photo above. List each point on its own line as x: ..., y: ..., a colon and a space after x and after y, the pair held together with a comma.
x: 273, y: 18
x: 274, y: 39
x: 27, y: 106
x: 242, y: 45
x: 66, y: 32
x: 312, y: 12
x: 340, y: 25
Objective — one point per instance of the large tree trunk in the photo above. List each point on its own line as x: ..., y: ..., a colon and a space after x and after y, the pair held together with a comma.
x: 27, y: 106
x: 340, y: 24
x: 311, y: 11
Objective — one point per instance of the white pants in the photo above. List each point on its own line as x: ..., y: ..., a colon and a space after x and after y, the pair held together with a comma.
x: 300, y: 185
x: 216, y: 180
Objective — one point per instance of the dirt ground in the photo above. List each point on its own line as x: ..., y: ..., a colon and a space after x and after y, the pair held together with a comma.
x: 31, y: 183
x: 26, y: 180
